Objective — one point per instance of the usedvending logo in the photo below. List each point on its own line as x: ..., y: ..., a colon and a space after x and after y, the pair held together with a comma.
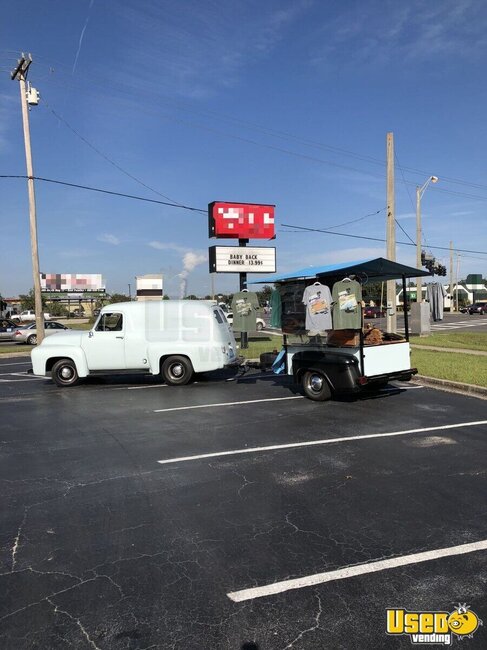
x: 438, y: 628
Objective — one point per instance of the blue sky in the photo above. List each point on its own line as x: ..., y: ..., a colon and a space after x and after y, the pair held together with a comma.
x: 284, y: 102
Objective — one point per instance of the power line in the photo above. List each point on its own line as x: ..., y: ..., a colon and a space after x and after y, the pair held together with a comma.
x: 372, y: 214
x: 344, y: 234
x: 289, y: 136
x: 97, y: 189
x: 104, y: 156
x: 193, y: 209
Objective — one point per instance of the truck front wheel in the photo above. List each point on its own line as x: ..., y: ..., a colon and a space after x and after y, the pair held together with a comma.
x: 64, y: 373
x: 177, y: 371
x: 315, y: 386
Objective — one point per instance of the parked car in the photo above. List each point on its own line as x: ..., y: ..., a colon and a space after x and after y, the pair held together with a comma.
x: 29, y: 315
x: 374, y: 312
x: 463, y: 310
x: 7, y: 328
x: 478, y: 308
x: 28, y: 334
x: 259, y: 322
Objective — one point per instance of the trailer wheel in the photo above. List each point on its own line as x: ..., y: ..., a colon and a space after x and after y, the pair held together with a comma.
x: 315, y: 386
x: 64, y: 373
x: 177, y: 371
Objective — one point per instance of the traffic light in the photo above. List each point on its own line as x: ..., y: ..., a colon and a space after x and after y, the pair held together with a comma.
x: 439, y: 269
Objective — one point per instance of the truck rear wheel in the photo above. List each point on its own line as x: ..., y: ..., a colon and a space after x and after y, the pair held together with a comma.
x: 315, y: 386
x: 64, y: 373
x: 177, y: 371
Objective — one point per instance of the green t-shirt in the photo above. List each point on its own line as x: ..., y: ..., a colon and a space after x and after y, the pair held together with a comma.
x: 347, y: 305
x: 244, y: 306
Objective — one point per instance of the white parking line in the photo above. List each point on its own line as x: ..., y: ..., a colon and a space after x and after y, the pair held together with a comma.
x: 208, y: 406
x: 355, y: 570
x: 311, y: 443
x: 18, y: 381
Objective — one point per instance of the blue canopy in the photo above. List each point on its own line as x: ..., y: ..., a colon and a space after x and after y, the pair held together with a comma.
x: 378, y: 269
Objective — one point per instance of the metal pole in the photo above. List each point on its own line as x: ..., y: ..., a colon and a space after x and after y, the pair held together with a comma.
x: 419, y: 287
x: 244, y: 340
x: 452, y: 308
x: 391, y: 235
x: 456, y: 282
x: 20, y: 73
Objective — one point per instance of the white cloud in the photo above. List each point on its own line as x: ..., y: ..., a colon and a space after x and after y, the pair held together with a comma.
x: 412, y: 31
x: 196, y: 47
x: 106, y: 238
x: 288, y: 259
x: 167, y: 246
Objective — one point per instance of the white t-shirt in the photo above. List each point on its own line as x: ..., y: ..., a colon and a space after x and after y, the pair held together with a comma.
x: 317, y: 298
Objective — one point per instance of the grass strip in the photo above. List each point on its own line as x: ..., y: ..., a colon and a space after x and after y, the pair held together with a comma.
x: 460, y: 340
x: 464, y: 368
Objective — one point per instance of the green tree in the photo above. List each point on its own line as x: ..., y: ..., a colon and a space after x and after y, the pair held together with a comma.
x: 117, y: 297
x: 264, y: 295
x: 57, y: 309
x: 373, y: 291
x: 27, y: 300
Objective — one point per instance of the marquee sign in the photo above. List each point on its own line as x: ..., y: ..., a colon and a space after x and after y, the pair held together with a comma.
x: 238, y: 259
x: 241, y: 220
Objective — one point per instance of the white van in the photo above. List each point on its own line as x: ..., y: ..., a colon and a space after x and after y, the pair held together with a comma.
x: 173, y: 338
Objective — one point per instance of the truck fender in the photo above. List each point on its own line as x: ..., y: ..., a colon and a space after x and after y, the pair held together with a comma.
x: 340, y: 370
x: 63, y: 352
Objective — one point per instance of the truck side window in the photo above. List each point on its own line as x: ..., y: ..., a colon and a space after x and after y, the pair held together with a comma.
x: 218, y: 316
x: 110, y: 323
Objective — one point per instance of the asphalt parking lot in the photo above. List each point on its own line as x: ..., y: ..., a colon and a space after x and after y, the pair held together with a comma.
x: 234, y: 514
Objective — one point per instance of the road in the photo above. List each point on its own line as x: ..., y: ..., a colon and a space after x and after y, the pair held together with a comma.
x: 234, y: 514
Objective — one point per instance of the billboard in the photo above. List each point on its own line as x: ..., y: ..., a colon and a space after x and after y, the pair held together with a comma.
x: 72, y: 282
x: 238, y: 259
x: 241, y: 220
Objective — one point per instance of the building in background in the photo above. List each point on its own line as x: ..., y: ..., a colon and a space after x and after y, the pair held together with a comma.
x: 149, y: 287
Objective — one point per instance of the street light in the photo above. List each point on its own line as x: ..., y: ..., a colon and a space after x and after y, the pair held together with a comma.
x: 419, y: 194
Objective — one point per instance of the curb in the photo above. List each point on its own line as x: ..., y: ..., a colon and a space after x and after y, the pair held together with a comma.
x: 451, y: 386
x: 440, y: 349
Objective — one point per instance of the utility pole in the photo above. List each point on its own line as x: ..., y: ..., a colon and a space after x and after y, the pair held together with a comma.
x: 452, y: 308
x: 456, y: 283
x: 391, y: 236
x: 20, y: 73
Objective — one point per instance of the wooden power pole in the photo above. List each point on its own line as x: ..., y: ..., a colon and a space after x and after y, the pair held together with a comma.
x: 391, y: 236
x: 20, y: 73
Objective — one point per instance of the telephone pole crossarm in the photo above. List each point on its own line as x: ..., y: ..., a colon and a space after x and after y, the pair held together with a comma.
x: 22, y: 67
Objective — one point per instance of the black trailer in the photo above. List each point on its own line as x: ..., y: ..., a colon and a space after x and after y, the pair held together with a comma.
x: 342, y: 362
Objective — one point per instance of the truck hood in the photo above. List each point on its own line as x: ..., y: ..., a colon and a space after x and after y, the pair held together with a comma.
x: 66, y: 337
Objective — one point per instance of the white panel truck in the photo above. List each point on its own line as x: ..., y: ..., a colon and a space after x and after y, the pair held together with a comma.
x: 171, y: 338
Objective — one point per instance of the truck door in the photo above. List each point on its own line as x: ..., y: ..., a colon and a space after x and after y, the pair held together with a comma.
x: 104, y: 346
